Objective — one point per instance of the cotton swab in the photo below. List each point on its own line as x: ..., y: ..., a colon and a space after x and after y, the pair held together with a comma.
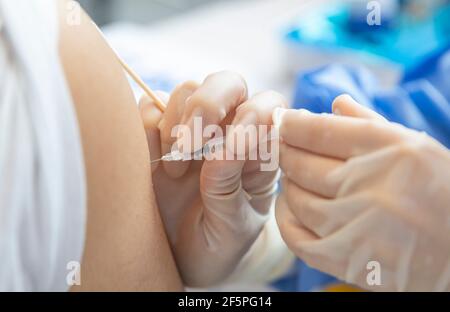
x: 160, y: 104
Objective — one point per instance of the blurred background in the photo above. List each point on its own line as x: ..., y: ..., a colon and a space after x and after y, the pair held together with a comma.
x: 168, y: 41
x: 140, y: 11
x: 269, y: 41
x: 390, y: 55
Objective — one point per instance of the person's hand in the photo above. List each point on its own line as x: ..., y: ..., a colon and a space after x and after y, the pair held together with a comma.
x: 213, y: 210
x: 363, y: 196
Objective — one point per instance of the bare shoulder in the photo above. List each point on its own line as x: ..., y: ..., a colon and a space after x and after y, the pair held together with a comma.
x: 126, y: 247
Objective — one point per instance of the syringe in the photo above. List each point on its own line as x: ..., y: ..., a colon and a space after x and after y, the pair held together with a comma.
x: 176, y: 155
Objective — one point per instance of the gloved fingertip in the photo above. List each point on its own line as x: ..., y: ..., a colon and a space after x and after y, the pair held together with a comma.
x: 150, y: 114
x: 341, y: 102
x: 346, y: 105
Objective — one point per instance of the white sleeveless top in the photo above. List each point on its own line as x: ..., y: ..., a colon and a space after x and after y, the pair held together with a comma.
x: 42, y: 179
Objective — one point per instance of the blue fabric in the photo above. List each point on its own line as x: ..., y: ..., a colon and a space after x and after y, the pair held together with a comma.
x: 302, y: 278
x: 421, y: 101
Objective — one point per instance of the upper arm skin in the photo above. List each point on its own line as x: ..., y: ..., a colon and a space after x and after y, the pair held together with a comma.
x: 126, y: 247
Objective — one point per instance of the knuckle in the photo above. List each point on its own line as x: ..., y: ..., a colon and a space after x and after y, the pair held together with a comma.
x: 371, y: 126
x: 408, y: 150
x: 189, y: 86
x: 203, y: 100
x: 290, y: 124
x: 377, y: 128
x: 316, y: 134
x: 382, y: 201
x: 270, y: 98
x: 235, y: 79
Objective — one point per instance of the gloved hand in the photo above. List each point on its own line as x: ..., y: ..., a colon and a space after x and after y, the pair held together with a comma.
x: 363, y: 196
x: 213, y: 210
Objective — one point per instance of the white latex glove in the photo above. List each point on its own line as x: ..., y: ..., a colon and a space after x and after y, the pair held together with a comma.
x: 213, y: 210
x: 360, y: 189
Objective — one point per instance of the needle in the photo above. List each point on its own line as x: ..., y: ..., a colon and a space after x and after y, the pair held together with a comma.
x: 213, y: 146
x: 178, y: 156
